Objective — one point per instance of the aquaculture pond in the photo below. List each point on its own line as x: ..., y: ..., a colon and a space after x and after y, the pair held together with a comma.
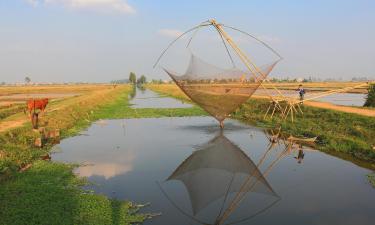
x: 192, y: 173
x: 347, y: 99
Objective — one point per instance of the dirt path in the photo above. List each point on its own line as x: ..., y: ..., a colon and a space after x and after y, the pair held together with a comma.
x: 347, y: 109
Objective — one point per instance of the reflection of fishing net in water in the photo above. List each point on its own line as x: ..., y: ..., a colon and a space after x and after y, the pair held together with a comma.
x: 218, y: 91
x: 217, y: 170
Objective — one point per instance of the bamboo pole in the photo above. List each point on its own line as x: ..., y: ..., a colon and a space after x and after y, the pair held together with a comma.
x: 244, y: 58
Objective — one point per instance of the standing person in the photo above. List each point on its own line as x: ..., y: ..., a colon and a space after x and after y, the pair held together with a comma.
x: 301, y: 92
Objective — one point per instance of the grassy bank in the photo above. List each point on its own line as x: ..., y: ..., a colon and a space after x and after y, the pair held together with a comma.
x: 342, y: 134
x: 336, y: 131
x: 48, y: 192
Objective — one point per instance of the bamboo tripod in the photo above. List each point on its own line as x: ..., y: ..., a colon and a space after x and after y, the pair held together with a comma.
x: 293, y: 105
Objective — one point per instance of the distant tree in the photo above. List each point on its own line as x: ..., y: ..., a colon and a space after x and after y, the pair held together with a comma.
x: 370, y: 99
x: 121, y: 81
x: 142, y: 80
x: 27, y: 80
x: 132, y: 78
x: 3, y: 83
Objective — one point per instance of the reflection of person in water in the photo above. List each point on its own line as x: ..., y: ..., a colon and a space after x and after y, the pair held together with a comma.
x: 300, y: 155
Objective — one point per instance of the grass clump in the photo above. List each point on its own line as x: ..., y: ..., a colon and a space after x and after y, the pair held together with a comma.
x: 371, y: 179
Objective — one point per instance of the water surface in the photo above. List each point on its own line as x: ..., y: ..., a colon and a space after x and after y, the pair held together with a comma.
x: 185, y: 168
x: 145, y: 98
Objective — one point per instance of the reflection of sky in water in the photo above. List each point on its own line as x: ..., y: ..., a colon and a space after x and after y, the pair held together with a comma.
x: 127, y: 163
x: 150, y: 99
x: 348, y: 99
x: 106, y: 170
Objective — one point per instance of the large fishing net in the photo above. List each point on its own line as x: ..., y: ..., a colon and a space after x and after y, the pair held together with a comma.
x: 220, y: 90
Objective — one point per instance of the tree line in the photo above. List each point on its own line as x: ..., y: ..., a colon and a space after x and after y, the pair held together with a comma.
x: 131, y: 80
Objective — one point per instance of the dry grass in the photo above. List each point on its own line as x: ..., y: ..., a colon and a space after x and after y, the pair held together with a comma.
x: 15, y: 118
x: 79, y: 88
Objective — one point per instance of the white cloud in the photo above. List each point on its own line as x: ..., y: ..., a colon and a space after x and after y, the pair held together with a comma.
x: 170, y: 33
x: 119, y: 6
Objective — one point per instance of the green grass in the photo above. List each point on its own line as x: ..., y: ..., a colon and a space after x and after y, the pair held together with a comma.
x: 49, y: 193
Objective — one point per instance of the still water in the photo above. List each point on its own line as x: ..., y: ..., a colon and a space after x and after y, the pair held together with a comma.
x: 193, y: 173
x: 144, y: 98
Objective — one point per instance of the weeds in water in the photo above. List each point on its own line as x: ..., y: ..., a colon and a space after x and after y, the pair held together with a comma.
x: 371, y: 179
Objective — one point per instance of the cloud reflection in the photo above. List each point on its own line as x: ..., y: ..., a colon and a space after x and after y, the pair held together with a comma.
x: 108, y: 169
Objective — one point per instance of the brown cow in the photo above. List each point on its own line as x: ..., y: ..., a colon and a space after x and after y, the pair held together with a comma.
x: 34, y: 104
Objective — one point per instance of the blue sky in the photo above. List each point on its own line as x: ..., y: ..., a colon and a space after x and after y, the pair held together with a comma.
x: 101, y: 40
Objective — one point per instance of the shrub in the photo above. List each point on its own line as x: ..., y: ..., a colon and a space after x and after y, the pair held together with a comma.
x: 370, y: 100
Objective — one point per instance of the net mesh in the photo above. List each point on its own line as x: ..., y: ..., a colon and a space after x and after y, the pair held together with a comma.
x: 217, y: 168
x: 218, y: 91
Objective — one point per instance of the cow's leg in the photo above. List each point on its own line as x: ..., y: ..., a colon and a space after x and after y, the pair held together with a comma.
x: 42, y: 111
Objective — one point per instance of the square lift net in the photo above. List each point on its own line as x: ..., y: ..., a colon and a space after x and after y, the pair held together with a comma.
x: 220, y: 91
